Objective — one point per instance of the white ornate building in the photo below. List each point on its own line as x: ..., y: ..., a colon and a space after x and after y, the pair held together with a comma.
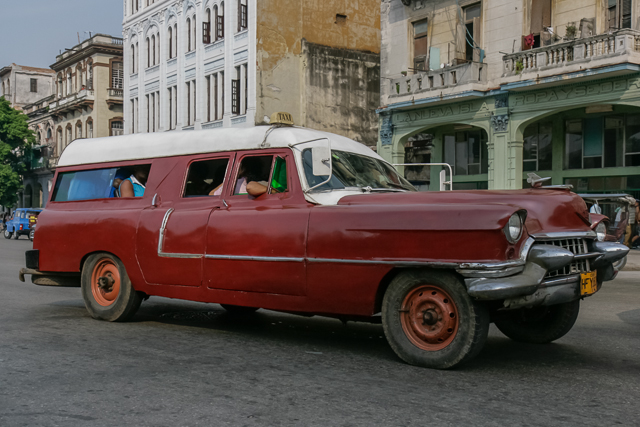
x: 173, y: 80
x: 199, y: 64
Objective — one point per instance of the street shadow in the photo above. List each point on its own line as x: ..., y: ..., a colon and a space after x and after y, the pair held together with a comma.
x: 631, y: 317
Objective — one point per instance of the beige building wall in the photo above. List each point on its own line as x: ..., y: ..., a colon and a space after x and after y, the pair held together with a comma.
x: 319, y: 61
x: 87, y: 104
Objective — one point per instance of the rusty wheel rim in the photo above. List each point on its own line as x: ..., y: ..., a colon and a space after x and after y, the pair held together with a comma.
x: 105, y: 282
x: 429, y: 318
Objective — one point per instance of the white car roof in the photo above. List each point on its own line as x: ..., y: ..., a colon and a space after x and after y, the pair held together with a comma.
x: 167, y: 144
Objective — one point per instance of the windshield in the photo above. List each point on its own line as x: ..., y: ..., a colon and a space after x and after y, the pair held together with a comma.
x: 354, y: 170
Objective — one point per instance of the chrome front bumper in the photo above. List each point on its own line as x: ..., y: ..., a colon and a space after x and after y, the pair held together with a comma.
x: 526, y: 282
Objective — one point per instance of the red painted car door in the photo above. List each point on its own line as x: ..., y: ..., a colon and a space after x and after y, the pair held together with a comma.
x: 172, y: 233
x: 259, y: 244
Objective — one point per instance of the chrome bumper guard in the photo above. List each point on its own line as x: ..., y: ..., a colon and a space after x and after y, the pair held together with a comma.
x: 525, y: 283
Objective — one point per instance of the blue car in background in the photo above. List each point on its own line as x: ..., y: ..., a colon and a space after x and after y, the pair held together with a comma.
x: 21, y: 222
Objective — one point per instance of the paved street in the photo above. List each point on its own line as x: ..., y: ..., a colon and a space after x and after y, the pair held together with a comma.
x: 188, y: 364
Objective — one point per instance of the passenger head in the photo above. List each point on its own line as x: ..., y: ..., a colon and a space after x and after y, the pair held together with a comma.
x: 252, y: 168
x: 141, y: 173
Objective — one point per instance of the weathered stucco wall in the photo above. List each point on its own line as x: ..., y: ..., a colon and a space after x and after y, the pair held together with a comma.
x: 342, y: 91
x: 336, y: 39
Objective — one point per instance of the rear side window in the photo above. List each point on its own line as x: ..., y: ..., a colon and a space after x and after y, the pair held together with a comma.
x: 95, y: 184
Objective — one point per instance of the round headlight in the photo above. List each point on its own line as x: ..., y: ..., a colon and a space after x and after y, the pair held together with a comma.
x: 601, y: 232
x: 513, y: 229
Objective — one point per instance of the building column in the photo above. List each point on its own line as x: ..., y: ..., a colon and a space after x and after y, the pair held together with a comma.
x: 505, y: 155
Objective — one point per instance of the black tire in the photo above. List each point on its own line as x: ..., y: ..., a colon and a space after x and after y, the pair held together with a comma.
x: 239, y: 310
x: 7, y: 234
x: 539, y: 325
x: 108, y: 305
x: 31, y: 232
x: 456, y: 329
x: 16, y: 235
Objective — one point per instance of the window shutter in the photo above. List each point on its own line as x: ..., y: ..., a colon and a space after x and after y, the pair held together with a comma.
x: 220, y: 27
x: 117, y: 75
x: 235, y: 97
x: 625, y: 14
x: 243, y: 17
x: 206, y: 32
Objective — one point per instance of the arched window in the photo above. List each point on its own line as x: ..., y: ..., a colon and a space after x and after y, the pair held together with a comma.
x: 195, y: 32
x: 218, y: 13
x: 59, y: 142
x: 90, y: 75
x: 188, y: 34
x: 206, y: 27
x: 133, y: 59
x: 69, y: 83
x: 170, y: 33
x: 49, y: 135
x: 148, y: 53
x: 89, y: 128
x: 175, y: 36
x: 243, y: 15
x: 158, y: 50
x: 153, y: 55
x: 3, y: 91
x: 78, y: 130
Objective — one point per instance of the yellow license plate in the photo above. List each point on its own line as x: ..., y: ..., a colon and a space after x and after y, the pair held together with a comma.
x: 588, y: 283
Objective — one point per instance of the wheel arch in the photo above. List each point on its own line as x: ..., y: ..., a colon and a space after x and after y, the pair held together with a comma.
x: 393, y: 273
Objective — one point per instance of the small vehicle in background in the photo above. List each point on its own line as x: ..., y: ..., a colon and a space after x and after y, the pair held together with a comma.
x: 620, y: 218
x: 21, y: 221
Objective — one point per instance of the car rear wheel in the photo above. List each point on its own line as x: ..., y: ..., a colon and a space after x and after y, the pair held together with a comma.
x: 430, y: 320
x: 7, y: 234
x: 31, y: 232
x: 539, y: 325
x: 106, y: 289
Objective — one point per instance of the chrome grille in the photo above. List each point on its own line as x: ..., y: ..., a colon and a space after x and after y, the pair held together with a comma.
x: 578, y: 247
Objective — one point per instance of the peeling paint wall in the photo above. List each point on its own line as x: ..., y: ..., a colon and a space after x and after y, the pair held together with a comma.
x: 342, y: 91
x: 319, y: 60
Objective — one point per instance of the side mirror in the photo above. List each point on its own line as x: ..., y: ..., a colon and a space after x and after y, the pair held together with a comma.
x: 321, y: 161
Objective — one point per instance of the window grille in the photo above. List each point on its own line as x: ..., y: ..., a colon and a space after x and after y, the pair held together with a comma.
x: 219, y: 27
x: 117, y: 128
x: 235, y: 96
x: 242, y: 17
x: 116, y: 75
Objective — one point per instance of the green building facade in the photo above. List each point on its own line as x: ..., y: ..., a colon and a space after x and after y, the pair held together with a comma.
x: 581, y: 129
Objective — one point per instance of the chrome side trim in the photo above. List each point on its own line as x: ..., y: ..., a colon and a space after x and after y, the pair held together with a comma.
x: 163, y: 228
x: 378, y: 262
x: 564, y: 235
x: 254, y: 258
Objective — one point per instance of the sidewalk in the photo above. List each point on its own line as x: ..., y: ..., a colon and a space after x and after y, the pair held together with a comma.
x: 633, y: 261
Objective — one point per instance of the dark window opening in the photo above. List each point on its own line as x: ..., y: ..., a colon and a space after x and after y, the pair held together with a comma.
x: 206, y: 178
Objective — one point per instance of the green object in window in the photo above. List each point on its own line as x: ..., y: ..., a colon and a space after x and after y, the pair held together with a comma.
x: 279, y: 178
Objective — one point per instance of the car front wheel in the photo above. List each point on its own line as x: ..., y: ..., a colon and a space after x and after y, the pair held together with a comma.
x: 430, y: 320
x: 106, y: 289
x: 7, y: 234
x: 539, y: 325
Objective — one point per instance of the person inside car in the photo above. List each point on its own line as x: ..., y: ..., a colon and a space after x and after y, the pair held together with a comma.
x: 251, y: 177
x: 134, y: 186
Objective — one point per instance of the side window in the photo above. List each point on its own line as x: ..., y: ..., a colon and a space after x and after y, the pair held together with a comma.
x: 205, y: 178
x: 269, y: 172
x: 95, y: 184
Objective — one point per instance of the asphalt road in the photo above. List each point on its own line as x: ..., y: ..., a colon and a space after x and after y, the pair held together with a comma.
x: 189, y: 364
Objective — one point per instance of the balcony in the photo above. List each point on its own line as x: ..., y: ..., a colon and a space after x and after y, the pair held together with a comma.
x: 440, y: 81
x: 97, y: 40
x: 114, y: 96
x: 574, y: 55
x: 76, y: 101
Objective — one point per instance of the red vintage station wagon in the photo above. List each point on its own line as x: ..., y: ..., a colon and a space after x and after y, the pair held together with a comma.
x: 301, y: 221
